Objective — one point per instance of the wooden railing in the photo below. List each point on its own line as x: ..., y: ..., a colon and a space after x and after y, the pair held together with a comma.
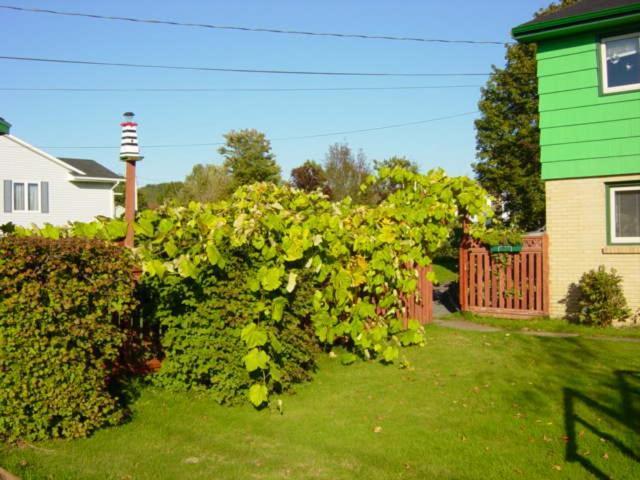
x: 505, y: 284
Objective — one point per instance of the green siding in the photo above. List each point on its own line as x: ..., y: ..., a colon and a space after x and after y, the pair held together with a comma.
x: 591, y: 132
x: 583, y: 133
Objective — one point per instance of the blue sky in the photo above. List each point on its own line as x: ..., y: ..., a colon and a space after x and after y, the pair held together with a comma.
x: 51, y: 119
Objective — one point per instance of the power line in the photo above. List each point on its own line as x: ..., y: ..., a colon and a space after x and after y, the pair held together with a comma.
x: 301, y: 137
x: 249, y: 29
x: 241, y: 70
x: 325, y: 89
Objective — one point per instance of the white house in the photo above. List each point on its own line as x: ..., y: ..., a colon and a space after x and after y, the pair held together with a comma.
x: 39, y: 188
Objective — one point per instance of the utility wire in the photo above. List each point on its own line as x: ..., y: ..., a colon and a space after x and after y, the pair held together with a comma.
x: 241, y: 70
x: 302, y: 137
x: 325, y: 89
x: 249, y: 29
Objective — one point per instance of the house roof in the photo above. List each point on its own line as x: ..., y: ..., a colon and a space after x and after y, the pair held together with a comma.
x: 580, y: 16
x: 90, y: 169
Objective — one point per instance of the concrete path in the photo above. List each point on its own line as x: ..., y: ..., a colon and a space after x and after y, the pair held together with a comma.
x: 476, y: 327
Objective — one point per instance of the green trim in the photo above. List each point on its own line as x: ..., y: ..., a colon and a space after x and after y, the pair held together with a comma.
x: 530, y: 28
x: 4, y: 126
x: 572, y: 25
x: 608, y: 187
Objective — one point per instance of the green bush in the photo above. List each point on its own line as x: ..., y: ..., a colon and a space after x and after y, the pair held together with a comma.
x: 241, y: 284
x: 600, y: 299
x: 202, y: 339
x: 60, y: 304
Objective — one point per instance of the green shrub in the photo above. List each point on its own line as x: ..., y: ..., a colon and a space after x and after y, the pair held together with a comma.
x: 202, y: 340
x: 275, y: 263
x: 60, y: 304
x: 600, y: 299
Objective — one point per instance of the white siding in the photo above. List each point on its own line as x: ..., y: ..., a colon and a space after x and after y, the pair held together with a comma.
x: 68, y: 201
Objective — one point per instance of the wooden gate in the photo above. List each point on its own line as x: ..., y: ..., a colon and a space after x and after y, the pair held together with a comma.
x: 505, y: 284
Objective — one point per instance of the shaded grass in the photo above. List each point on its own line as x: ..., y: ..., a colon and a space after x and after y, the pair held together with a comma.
x: 446, y: 269
x: 548, y: 325
x: 472, y: 406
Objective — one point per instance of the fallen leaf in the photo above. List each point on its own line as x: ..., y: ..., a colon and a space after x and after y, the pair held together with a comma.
x: 377, y: 429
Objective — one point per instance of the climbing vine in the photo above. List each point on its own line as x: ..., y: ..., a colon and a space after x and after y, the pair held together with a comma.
x: 355, y: 264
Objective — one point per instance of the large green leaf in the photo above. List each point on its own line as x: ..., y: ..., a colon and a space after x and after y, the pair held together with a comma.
x: 258, y: 394
x: 253, y: 336
x: 256, y: 359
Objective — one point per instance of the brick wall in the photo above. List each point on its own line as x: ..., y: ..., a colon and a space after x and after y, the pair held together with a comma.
x: 576, y: 224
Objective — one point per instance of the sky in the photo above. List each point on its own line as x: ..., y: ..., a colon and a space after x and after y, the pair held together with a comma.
x: 65, y: 123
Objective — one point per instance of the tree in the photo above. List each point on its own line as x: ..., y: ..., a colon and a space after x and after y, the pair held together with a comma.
x: 386, y: 187
x: 345, y: 172
x: 206, y: 183
x: 248, y: 158
x: 309, y: 177
x: 156, y: 194
x: 508, y: 137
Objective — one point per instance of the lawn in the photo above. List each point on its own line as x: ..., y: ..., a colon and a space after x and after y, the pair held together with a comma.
x: 446, y: 269
x: 471, y: 406
x: 549, y: 325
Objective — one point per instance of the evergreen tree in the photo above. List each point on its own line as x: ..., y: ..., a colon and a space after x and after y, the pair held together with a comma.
x: 508, y: 136
x: 248, y: 158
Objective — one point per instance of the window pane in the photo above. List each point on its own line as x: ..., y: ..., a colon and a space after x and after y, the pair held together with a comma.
x: 33, y: 196
x: 18, y: 196
x: 627, y: 209
x: 623, y: 62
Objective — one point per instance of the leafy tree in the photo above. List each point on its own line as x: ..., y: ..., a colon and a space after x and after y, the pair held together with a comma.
x: 386, y: 187
x: 248, y: 158
x: 206, y: 183
x: 156, y: 194
x: 345, y: 172
x: 508, y: 136
x: 309, y: 177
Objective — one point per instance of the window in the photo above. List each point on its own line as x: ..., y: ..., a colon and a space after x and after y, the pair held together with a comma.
x: 26, y: 196
x: 33, y: 197
x: 620, y: 58
x: 18, y: 196
x: 624, y: 215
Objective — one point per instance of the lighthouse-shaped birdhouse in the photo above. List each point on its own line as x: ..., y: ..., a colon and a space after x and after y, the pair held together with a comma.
x: 130, y: 154
x: 129, y: 148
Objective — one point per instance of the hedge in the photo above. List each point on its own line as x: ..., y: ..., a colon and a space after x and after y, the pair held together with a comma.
x: 61, y: 302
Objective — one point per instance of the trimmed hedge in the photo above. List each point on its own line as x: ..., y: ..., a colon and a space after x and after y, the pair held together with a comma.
x: 60, y: 305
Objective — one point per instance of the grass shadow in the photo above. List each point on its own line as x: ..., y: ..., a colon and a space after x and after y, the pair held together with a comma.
x: 627, y: 383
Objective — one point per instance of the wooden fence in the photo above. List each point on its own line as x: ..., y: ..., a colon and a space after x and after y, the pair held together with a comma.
x: 420, y: 306
x: 505, y: 284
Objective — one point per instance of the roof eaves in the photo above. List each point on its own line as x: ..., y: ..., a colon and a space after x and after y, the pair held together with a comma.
x: 530, y: 30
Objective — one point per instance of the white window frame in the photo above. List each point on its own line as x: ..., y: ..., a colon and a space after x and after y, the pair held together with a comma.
x: 26, y: 184
x: 612, y: 215
x: 603, y: 65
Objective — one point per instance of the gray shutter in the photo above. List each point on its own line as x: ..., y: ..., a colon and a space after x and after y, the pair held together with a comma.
x: 7, y: 196
x: 44, y: 197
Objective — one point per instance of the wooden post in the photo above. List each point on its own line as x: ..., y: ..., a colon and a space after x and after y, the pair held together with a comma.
x: 130, y: 202
x: 546, y: 295
x: 462, y: 265
x: 130, y: 154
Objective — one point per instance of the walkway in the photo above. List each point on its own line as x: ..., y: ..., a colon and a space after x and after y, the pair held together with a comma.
x: 465, y: 325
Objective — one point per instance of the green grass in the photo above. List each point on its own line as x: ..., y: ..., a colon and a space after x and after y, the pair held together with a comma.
x: 473, y: 406
x: 446, y: 269
x: 549, y: 325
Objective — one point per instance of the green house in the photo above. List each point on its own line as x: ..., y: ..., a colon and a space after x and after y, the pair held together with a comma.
x: 589, y: 87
